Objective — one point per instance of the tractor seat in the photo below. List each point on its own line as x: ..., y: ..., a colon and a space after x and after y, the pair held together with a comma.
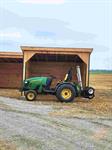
x: 48, y: 83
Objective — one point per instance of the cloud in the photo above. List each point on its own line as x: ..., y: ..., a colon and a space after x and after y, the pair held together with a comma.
x: 10, y: 34
x: 39, y: 31
x: 34, y: 31
x: 45, y: 34
x: 43, y: 27
x: 41, y: 1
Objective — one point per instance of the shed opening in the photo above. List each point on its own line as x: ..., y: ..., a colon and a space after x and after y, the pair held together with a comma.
x: 56, y: 65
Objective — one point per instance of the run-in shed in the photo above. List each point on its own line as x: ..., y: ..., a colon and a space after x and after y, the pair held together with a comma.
x: 45, y: 61
x: 10, y: 69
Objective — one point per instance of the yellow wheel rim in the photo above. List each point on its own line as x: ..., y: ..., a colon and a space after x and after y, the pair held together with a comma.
x: 30, y: 96
x: 66, y: 93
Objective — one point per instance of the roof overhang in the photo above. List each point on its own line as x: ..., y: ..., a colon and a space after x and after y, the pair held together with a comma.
x: 29, y: 52
x: 11, y: 57
x: 56, y: 50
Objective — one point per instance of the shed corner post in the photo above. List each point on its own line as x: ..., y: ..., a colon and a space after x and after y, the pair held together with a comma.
x: 88, y: 70
x: 26, y: 57
x: 85, y: 57
x: 24, y: 65
x: 24, y: 70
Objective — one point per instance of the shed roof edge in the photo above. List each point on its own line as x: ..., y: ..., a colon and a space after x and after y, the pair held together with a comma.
x: 82, y: 50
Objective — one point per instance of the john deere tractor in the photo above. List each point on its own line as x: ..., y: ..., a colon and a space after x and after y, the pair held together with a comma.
x: 65, y: 91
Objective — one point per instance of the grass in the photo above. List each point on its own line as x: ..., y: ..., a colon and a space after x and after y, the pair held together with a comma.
x: 101, y: 71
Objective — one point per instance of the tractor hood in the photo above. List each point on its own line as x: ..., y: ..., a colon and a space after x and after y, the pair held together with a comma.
x: 36, y: 79
x: 34, y: 82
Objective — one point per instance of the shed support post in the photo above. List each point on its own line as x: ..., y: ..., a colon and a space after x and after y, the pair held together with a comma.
x: 24, y: 70
x: 87, y: 75
x: 26, y: 56
x: 85, y: 57
x: 24, y: 73
x: 88, y: 70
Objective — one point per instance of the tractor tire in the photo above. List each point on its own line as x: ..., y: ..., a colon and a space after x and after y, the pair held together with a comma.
x: 66, y: 93
x: 30, y: 95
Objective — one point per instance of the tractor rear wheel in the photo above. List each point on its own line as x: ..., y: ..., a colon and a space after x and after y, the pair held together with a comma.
x: 30, y: 95
x: 66, y: 93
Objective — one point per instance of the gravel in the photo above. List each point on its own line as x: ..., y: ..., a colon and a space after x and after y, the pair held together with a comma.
x: 30, y: 126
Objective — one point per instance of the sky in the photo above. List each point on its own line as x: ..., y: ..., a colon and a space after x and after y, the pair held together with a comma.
x: 59, y: 23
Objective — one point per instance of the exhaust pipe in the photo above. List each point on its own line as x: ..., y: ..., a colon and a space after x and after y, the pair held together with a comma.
x: 79, y: 76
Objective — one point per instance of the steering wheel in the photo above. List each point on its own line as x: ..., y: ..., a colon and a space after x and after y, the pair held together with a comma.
x: 68, y: 76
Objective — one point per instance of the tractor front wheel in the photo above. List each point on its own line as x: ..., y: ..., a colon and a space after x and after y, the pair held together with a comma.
x: 66, y: 93
x: 30, y: 95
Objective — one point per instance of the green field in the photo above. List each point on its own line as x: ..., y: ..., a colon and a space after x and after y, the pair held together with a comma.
x: 101, y: 71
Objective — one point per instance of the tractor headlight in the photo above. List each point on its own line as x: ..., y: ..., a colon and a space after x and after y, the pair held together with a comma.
x: 26, y: 82
x: 90, y: 91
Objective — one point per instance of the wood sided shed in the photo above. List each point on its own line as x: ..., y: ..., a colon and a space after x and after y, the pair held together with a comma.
x: 10, y: 69
x: 42, y: 61
x: 45, y: 61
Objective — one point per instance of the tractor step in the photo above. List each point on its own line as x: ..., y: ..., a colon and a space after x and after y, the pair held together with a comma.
x: 50, y: 91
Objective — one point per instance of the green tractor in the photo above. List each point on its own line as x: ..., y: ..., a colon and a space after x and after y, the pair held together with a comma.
x: 65, y: 90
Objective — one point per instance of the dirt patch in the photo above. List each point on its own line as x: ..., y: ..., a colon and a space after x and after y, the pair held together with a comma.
x: 101, y: 81
x: 6, y: 145
x: 100, y: 134
x: 12, y: 93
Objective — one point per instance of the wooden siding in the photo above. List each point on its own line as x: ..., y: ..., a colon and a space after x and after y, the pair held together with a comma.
x: 57, y: 69
x: 10, y: 75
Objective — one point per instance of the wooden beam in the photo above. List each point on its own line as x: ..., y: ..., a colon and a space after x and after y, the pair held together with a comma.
x: 28, y: 55
x: 55, y: 49
x: 11, y: 55
x: 24, y: 70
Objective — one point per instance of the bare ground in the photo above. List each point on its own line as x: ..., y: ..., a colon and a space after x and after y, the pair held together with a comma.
x: 51, y: 125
